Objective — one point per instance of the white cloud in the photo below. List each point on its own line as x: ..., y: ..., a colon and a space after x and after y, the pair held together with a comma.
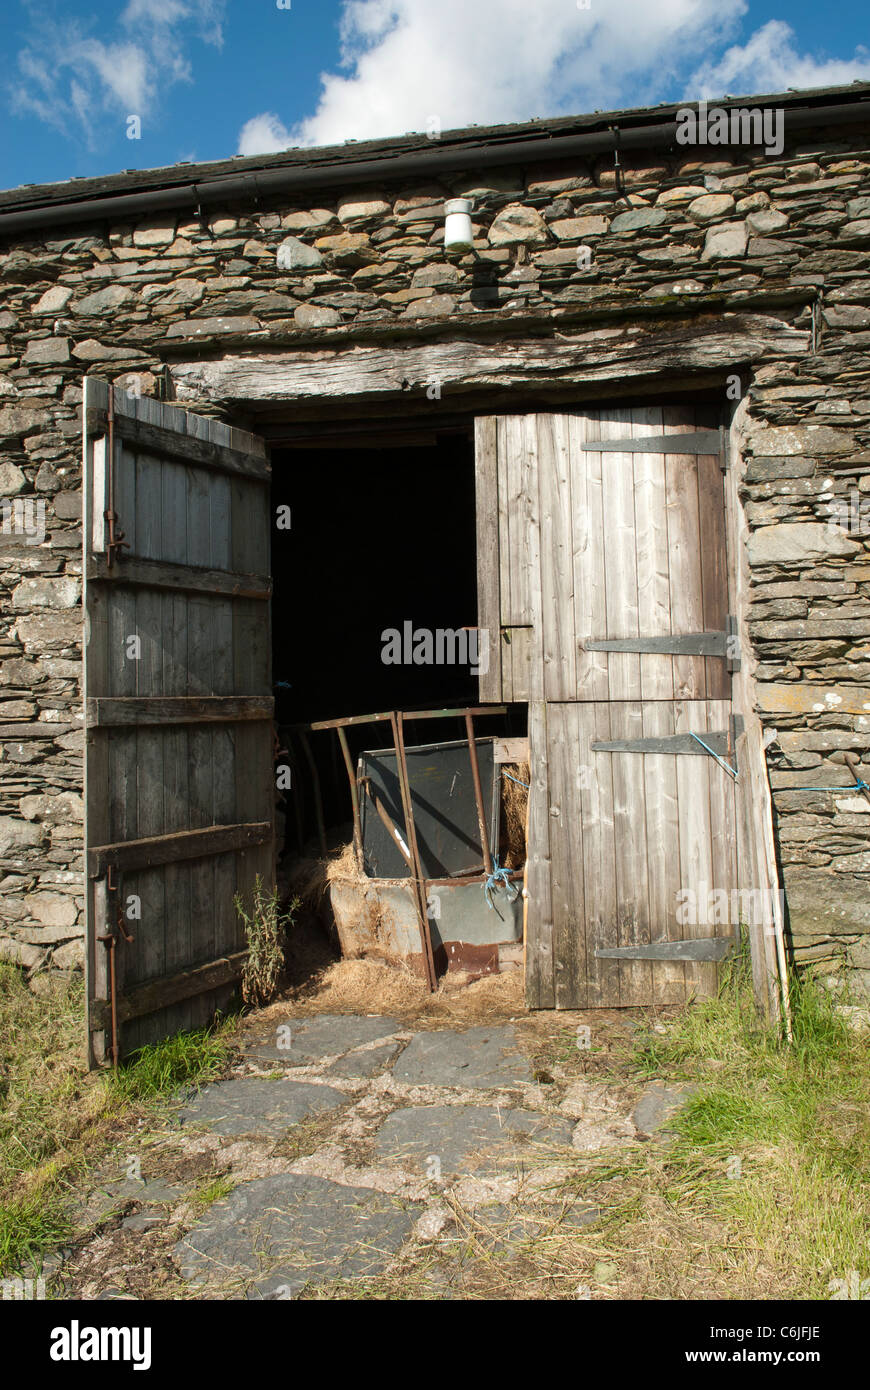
x: 463, y: 61
x: 770, y: 62
x: 70, y: 79
x: 264, y: 134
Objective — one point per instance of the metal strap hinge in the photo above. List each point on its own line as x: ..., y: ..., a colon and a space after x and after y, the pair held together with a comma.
x: 693, y: 442
x: 668, y: 743
x: 720, y: 644
x: 709, y: 948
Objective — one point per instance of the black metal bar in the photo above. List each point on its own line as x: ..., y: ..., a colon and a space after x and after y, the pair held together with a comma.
x: 667, y: 744
x: 710, y: 948
x: 693, y: 442
x: 385, y: 817
x: 669, y: 644
x: 420, y: 895
x: 354, y: 795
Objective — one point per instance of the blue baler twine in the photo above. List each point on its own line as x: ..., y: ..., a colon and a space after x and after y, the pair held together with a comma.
x: 516, y: 779
x: 858, y: 786
x: 499, y: 875
x: 721, y: 761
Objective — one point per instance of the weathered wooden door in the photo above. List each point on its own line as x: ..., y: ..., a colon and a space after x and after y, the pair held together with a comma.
x: 603, y: 571
x: 179, y: 786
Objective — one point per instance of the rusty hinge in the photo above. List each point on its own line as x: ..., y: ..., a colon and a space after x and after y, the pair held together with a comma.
x: 115, y: 542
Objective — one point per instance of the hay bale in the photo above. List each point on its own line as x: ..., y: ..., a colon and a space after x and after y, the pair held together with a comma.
x: 514, y: 806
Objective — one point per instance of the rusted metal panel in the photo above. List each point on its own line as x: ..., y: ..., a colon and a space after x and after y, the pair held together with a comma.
x: 377, y: 918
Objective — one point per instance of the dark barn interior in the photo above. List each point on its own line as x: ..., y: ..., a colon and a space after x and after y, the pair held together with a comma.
x: 379, y: 536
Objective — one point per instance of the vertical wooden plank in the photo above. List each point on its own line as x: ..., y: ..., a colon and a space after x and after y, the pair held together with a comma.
x: 540, y: 992
x: 587, y: 522
x: 756, y: 850
x: 488, y: 551
x: 556, y: 607
x: 506, y: 454
x: 599, y: 856
x: 175, y: 627
x: 630, y: 845
x: 696, y: 847
x: 723, y: 824
x: 663, y: 851
x: 146, y: 959
x: 651, y: 533
x: 714, y: 571
x: 566, y: 855
x: 687, y: 610
x: 204, y: 543
x: 620, y: 557
x: 526, y: 657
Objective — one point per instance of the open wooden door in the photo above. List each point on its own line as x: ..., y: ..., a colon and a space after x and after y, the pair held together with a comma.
x: 603, y: 579
x: 179, y: 781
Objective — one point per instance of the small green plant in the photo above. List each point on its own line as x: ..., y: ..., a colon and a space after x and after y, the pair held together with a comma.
x: 212, y: 1191
x: 266, y: 927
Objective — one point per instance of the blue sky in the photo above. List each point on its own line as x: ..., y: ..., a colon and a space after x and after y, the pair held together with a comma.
x: 206, y: 79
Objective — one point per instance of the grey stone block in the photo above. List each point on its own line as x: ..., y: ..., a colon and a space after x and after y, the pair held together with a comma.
x: 287, y: 1231
x: 477, y: 1057
x: 254, y: 1105
x: 311, y: 1039
x: 466, y: 1138
x: 657, y: 1105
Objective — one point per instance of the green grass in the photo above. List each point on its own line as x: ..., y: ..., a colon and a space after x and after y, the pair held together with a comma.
x: 212, y: 1191
x: 158, y: 1071
x: 57, y: 1118
x: 762, y: 1191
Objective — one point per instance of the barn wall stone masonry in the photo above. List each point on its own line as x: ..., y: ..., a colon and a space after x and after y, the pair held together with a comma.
x: 694, y: 233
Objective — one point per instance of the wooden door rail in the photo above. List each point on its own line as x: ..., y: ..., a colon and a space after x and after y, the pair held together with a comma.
x: 179, y: 845
x: 160, y: 994
x: 131, y: 711
x: 194, y: 579
x: 156, y: 439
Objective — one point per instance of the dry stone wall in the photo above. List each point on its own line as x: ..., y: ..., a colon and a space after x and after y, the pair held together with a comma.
x: 555, y: 244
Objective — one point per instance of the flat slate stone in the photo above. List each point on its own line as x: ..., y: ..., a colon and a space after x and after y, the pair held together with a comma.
x: 311, y: 1039
x: 291, y: 1230
x: 253, y: 1105
x: 466, y: 1138
x: 657, y: 1104
x: 478, y: 1057
x: 364, y: 1063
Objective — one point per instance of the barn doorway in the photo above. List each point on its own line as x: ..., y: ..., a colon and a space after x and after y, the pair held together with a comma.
x: 374, y: 609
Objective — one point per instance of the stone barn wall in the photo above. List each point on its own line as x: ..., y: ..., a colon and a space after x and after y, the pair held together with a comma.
x: 785, y: 237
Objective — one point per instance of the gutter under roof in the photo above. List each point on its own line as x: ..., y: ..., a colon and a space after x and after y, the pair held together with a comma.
x: 854, y: 107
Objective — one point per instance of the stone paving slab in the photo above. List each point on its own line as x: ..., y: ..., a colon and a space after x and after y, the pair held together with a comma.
x: 367, y: 1063
x: 311, y: 1039
x: 476, y: 1057
x: 657, y: 1105
x: 291, y: 1230
x: 466, y: 1138
x: 254, y: 1105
